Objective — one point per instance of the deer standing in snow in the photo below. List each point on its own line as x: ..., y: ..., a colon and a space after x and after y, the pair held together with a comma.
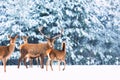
x: 56, y: 55
x: 25, y: 40
x: 6, y: 51
x: 37, y: 50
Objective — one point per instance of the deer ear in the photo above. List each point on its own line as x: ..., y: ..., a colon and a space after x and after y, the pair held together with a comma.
x: 16, y: 36
x: 9, y: 36
x: 22, y: 37
x: 27, y: 37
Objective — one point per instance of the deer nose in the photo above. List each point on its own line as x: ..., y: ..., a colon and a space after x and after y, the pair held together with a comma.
x: 12, y: 41
x: 51, y: 46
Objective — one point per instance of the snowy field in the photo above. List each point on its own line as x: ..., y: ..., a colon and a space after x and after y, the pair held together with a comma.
x: 81, y: 72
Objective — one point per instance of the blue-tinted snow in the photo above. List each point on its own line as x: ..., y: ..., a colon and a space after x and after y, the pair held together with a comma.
x: 89, y: 25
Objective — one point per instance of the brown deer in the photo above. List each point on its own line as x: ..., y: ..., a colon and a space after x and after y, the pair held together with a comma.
x: 37, y: 50
x: 25, y: 40
x: 56, y: 55
x: 6, y: 51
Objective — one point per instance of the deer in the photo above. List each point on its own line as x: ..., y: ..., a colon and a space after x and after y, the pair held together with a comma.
x: 56, y: 55
x: 37, y: 50
x: 6, y: 51
x: 25, y: 41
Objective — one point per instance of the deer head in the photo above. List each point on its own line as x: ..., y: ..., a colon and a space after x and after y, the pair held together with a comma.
x: 12, y: 39
x: 50, y: 41
x: 25, y: 39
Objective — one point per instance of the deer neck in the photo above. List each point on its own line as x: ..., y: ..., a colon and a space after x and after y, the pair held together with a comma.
x: 11, y: 48
x: 48, y: 46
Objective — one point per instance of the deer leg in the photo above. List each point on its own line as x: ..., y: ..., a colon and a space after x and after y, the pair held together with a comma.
x: 20, y: 59
x: 37, y: 60
x: 64, y: 65
x: 31, y: 62
x: 51, y: 65
x: 59, y: 65
x: 25, y: 62
x: 47, y: 63
x: 42, y: 61
x: 4, y: 63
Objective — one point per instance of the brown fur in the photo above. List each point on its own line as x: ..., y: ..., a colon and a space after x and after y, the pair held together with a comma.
x: 36, y: 50
x: 25, y: 39
x: 33, y: 51
x: 56, y: 55
x: 6, y: 51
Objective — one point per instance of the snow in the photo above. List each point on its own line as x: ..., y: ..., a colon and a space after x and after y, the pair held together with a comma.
x: 74, y: 72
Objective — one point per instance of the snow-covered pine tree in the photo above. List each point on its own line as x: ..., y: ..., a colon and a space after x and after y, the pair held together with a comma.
x: 90, y: 26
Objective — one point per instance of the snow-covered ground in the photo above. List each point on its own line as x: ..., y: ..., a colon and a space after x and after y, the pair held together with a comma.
x: 81, y: 72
